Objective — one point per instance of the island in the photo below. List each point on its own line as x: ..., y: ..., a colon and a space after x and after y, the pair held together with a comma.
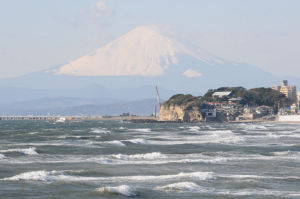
x: 225, y: 104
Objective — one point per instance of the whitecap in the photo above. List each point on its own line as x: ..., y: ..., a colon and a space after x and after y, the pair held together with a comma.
x: 253, y: 127
x: 245, y: 176
x: 194, y: 128
x: 49, y: 176
x: 264, y: 192
x: 100, y: 130
x: 77, y: 137
x: 205, y: 161
x: 224, y: 136
x: 29, y: 151
x: 33, y: 133
x: 146, y: 156
x: 143, y: 130
x: 193, y: 175
x: 2, y: 156
x: 120, y: 190
x: 115, y: 142
x: 182, y: 187
x: 155, y: 158
x: 221, y: 136
x: 138, y: 141
x: 281, y: 153
x: 36, y: 176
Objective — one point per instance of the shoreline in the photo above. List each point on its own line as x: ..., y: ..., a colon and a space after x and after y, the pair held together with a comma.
x: 133, y: 119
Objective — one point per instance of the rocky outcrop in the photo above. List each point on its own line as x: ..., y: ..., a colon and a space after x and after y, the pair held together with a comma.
x: 180, y: 113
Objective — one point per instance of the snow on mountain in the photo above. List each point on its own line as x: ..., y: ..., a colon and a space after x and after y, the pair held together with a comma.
x: 129, y: 67
x: 141, y: 52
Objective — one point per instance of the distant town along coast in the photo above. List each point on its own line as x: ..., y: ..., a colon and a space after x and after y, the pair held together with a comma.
x: 224, y: 104
x: 234, y: 104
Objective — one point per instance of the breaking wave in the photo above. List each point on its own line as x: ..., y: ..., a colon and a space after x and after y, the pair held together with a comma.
x: 29, y: 151
x: 100, y: 130
x: 263, y: 192
x: 280, y: 153
x: 142, y: 130
x: 119, y: 190
x: 2, y: 156
x: 222, y: 137
x: 193, y: 175
x: 253, y: 127
x: 182, y: 187
x: 77, y: 137
x: 245, y: 176
x: 49, y: 176
x: 115, y: 142
x: 33, y: 133
x: 138, y: 141
x: 146, y: 156
x: 37, y: 176
x: 194, y: 128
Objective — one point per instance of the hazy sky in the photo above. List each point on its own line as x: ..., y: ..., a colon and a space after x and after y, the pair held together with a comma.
x: 38, y: 34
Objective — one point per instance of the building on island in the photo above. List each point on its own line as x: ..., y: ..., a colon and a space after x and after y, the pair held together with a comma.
x: 221, y: 94
x: 298, y: 97
x: 289, y: 91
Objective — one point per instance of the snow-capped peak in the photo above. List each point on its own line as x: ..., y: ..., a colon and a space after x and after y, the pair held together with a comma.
x: 143, y: 51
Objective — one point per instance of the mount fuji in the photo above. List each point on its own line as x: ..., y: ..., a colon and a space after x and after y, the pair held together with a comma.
x: 129, y: 67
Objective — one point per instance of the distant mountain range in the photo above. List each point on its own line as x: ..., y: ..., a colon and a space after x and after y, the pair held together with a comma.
x: 125, y: 70
x: 77, y: 106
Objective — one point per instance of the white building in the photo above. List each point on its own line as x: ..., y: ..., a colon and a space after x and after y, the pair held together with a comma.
x: 221, y: 94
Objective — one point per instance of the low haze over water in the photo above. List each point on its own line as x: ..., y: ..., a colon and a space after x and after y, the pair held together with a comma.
x: 113, y: 159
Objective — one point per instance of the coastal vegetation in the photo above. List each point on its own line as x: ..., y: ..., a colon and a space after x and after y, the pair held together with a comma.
x: 251, y: 97
x: 187, y: 101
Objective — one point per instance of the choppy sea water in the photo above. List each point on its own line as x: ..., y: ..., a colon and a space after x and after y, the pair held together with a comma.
x: 113, y: 159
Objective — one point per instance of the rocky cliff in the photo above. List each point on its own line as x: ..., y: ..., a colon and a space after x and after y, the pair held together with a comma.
x: 181, y: 108
x: 180, y: 114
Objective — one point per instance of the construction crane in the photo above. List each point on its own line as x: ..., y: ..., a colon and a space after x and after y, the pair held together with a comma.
x: 158, y: 99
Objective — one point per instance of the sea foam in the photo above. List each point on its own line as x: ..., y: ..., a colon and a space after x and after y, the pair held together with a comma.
x: 253, y: 127
x: 138, y: 141
x: 146, y: 156
x: 142, y: 130
x: 100, y: 130
x: 194, y: 128
x: 36, y: 176
x: 119, y: 190
x: 182, y: 187
x: 193, y: 175
x: 29, y: 151
x: 281, y: 153
x: 115, y: 142
x: 2, y: 156
x: 49, y: 176
x: 263, y: 192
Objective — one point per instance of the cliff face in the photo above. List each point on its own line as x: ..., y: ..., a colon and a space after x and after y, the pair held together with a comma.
x: 180, y: 113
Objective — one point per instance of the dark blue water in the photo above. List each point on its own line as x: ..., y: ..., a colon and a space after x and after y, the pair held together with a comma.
x: 113, y: 159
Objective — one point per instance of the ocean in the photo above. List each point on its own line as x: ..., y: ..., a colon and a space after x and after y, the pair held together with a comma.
x: 114, y: 159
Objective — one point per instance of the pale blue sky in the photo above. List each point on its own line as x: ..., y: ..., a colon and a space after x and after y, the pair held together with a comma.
x: 38, y: 34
